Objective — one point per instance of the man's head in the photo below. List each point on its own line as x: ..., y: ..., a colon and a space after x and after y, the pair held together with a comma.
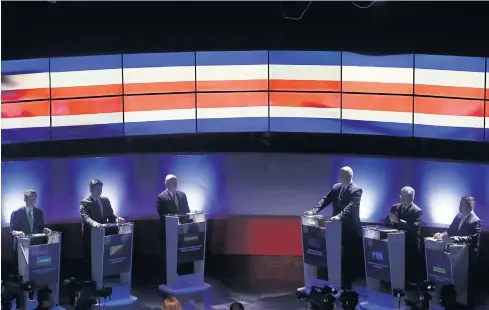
x: 171, y: 182
x: 236, y: 306
x: 467, y: 205
x: 95, y: 187
x: 30, y: 198
x: 45, y: 298
x: 346, y: 175
x: 407, y: 196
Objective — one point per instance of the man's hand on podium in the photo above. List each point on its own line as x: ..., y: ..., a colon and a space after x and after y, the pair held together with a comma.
x: 335, y: 218
x: 308, y: 213
x: 437, y: 236
x: 120, y: 220
x: 98, y: 225
x: 46, y: 231
x: 18, y: 233
x: 393, y: 218
x: 445, y: 238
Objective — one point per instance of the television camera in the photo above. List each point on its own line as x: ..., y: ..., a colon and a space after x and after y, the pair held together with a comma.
x: 14, y: 288
x: 84, y: 294
x: 318, y: 298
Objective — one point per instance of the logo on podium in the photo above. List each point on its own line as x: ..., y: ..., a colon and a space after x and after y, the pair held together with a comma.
x: 378, y: 255
x: 117, y: 250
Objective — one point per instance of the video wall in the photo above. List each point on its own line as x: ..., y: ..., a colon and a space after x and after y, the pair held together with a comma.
x: 244, y: 184
x: 430, y: 96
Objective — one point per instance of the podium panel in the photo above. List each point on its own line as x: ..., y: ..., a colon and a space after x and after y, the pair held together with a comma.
x: 112, y: 262
x: 321, y: 242
x: 38, y: 261
x: 384, y: 254
x: 447, y: 264
x: 185, y: 245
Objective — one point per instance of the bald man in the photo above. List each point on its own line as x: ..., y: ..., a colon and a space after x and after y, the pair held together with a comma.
x: 171, y: 202
x: 345, y: 197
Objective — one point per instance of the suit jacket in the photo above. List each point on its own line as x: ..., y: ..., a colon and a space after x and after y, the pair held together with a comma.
x: 411, y: 215
x: 20, y: 222
x: 346, y: 205
x: 91, y: 213
x: 468, y: 233
x: 165, y: 205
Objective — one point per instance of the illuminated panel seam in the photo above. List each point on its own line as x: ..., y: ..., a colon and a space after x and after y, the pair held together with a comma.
x: 305, y: 71
x: 449, y: 76
x: 25, y: 122
x: 159, y: 73
x: 390, y: 74
x: 86, y: 118
x: 232, y: 71
x: 87, y: 76
x: 442, y: 118
x: 159, y: 114
x: 25, y: 80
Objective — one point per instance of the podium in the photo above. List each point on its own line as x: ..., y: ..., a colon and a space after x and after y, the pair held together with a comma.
x: 185, y: 245
x: 38, y: 261
x: 447, y: 264
x: 112, y: 262
x: 321, y: 243
x: 384, y: 253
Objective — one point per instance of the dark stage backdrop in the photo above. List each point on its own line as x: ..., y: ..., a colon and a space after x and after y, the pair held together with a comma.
x: 243, y: 184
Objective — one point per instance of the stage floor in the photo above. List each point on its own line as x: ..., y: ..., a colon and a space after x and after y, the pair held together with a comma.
x: 220, y: 296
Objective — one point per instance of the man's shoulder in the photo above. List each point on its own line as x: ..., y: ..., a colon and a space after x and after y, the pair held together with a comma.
x: 18, y: 210
x: 416, y: 208
x: 162, y: 194
x: 475, y: 218
x: 337, y: 185
x: 397, y: 205
x: 103, y: 198
x: 37, y: 210
x: 355, y: 187
x: 181, y: 193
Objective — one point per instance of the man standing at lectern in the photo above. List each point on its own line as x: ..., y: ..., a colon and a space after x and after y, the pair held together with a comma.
x: 171, y: 202
x: 466, y: 228
x: 345, y: 197
x: 25, y: 221
x: 406, y: 216
x: 95, y: 211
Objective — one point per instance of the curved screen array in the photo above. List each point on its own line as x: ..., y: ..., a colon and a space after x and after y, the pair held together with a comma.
x: 285, y: 91
x: 244, y: 184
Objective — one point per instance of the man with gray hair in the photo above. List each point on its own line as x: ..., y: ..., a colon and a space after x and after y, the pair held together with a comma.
x: 171, y: 202
x: 345, y: 197
x: 406, y: 216
x: 25, y: 221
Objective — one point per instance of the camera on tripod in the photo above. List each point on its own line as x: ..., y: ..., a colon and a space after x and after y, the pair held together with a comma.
x: 15, y: 287
x: 319, y: 298
x: 83, y: 295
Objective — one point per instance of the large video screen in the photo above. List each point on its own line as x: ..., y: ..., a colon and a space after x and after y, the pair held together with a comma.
x: 377, y: 259
x: 425, y: 96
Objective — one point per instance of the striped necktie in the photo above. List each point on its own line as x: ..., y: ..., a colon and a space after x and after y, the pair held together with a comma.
x: 30, y: 218
x: 175, y: 199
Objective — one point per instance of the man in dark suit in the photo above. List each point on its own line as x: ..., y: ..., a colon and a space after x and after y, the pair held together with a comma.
x: 171, y: 202
x: 345, y: 197
x: 95, y: 211
x: 466, y: 228
x: 406, y: 216
x: 25, y: 221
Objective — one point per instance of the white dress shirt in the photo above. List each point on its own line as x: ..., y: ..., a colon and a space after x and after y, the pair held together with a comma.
x: 463, y: 219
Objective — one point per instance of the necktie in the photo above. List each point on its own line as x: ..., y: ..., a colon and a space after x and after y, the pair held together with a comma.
x: 31, y: 219
x: 101, y: 206
x: 175, y: 199
x: 342, y: 190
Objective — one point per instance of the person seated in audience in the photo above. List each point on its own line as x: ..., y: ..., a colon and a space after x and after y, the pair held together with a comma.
x: 171, y: 303
x: 236, y: 306
x: 45, y: 299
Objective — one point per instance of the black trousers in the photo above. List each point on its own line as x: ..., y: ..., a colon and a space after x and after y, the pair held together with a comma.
x: 353, y: 266
x: 87, y: 258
